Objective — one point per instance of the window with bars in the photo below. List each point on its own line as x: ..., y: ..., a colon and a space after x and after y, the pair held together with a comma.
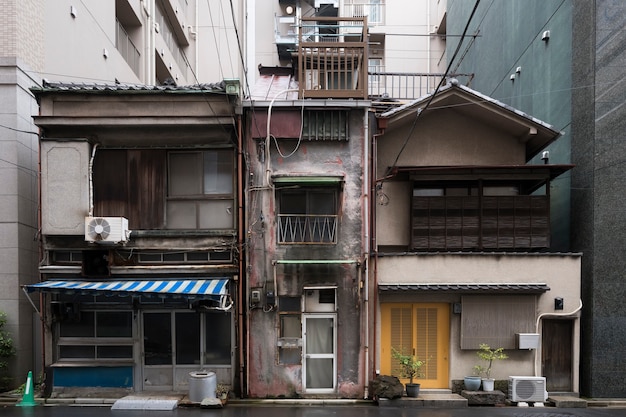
x: 325, y: 125
x: 308, y: 215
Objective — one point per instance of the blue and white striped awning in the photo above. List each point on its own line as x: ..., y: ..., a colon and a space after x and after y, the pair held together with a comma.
x: 191, y: 288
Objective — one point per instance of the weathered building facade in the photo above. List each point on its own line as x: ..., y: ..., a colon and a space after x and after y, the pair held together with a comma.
x: 306, y: 220
x: 139, y: 235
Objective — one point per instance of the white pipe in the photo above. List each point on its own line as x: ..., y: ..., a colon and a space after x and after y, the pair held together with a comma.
x: 93, y: 155
x: 267, y: 137
x: 537, y: 351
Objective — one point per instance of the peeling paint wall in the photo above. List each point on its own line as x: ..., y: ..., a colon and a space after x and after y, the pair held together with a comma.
x: 344, y: 159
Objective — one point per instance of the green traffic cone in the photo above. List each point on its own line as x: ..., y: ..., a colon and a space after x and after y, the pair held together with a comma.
x: 28, y: 399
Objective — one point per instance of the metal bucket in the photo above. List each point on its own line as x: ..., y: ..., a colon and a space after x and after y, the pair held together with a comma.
x: 202, y: 385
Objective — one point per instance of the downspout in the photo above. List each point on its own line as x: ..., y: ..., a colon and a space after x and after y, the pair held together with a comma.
x: 374, y: 244
x: 580, y: 306
x: 366, y: 213
x: 41, y: 256
x: 240, y: 237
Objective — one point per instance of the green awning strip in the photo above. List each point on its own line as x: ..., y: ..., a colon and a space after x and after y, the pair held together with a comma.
x: 317, y: 261
x: 308, y: 180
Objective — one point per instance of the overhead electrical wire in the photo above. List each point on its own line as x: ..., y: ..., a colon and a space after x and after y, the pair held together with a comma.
x: 443, y: 79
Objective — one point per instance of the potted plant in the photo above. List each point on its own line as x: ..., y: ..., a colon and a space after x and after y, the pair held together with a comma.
x: 410, y: 367
x: 488, y: 355
x: 472, y: 382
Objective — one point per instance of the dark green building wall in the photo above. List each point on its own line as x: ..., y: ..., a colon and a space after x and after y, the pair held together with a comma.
x: 574, y: 81
x: 505, y: 35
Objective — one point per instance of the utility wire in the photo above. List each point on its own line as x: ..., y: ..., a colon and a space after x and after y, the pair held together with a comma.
x: 443, y: 79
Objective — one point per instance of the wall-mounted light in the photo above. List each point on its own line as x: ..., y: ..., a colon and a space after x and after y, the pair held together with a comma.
x: 518, y: 70
x: 512, y: 77
x: 289, y: 10
x: 558, y: 303
x: 545, y: 157
x: 545, y: 35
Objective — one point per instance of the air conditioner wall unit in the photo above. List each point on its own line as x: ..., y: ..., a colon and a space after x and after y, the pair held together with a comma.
x: 527, y: 389
x: 106, y: 229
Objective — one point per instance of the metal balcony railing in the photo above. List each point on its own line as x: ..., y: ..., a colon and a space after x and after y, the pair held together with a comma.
x: 127, y: 48
x: 307, y: 228
x: 406, y: 86
x: 332, y: 57
x: 374, y: 10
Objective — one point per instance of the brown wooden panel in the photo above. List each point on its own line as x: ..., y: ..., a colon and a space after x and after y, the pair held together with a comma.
x: 146, y: 184
x: 110, y: 189
x: 556, y: 354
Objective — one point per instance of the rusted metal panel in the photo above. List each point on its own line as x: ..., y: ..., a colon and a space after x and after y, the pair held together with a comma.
x: 283, y: 124
x: 110, y: 185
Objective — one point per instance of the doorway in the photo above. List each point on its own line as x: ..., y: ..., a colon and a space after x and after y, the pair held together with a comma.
x: 319, y: 373
x: 176, y: 343
x: 556, y: 354
x: 420, y: 329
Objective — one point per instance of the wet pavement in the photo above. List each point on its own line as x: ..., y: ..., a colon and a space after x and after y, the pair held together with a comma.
x: 311, y: 411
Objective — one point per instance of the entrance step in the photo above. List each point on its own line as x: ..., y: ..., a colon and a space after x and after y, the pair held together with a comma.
x: 427, y: 399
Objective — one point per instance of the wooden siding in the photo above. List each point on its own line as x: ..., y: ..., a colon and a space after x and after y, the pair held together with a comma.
x: 131, y: 183
x: 480, y: 223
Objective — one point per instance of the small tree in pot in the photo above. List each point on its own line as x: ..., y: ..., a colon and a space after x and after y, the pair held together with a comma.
x: 410, y: 367
x: 488, y: 355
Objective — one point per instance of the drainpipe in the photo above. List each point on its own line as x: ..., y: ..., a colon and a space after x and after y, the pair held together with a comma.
x: 366, y: 215
x: 240, y: 237
x: 374, y: 244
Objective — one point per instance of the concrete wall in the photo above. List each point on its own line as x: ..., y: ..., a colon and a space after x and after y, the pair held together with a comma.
x: 18, y: 210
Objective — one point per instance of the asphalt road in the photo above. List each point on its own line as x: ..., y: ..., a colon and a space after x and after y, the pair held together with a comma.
x: 313, y: 411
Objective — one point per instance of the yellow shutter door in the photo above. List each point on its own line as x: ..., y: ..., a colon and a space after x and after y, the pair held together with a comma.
x: 422, y: 329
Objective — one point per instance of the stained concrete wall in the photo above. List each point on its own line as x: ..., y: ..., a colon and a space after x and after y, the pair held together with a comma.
x: 317, y: 158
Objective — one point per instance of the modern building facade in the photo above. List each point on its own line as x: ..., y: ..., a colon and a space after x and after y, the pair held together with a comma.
x: 560, y: 61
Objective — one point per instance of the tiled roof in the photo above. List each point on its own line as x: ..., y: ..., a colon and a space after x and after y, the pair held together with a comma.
x: 510, y: 288
x: 139, y: 88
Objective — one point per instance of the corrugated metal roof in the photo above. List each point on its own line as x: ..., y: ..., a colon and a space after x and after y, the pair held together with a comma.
x: 465, y: 288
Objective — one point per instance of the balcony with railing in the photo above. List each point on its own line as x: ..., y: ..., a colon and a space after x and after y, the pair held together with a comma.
x: 307, y: 229
x: 332, y: 57
x: 374, y: 10
x: 127, y: 48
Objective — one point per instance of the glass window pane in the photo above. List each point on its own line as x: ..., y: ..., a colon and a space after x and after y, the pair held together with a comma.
x: 114, y: 324
x: 76, y: 352
x: 185, y: 174
x: 289, y: 356
x: 215, y: 214
x: 319, y: 373
x: 82, y: 326
x: 321, y: 202
x: 290, y: 326
x: 218, y: 172
x: 157, y: 338
x: 319, y: 335
x: 181, y: 215
x: 218, y: 335
x: 174, y: 257
x: 115, y: 352
x: 187, y: 338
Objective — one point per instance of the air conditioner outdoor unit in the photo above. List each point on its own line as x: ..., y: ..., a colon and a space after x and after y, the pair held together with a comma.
x: 527, y: 389
x: 106, y: 229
